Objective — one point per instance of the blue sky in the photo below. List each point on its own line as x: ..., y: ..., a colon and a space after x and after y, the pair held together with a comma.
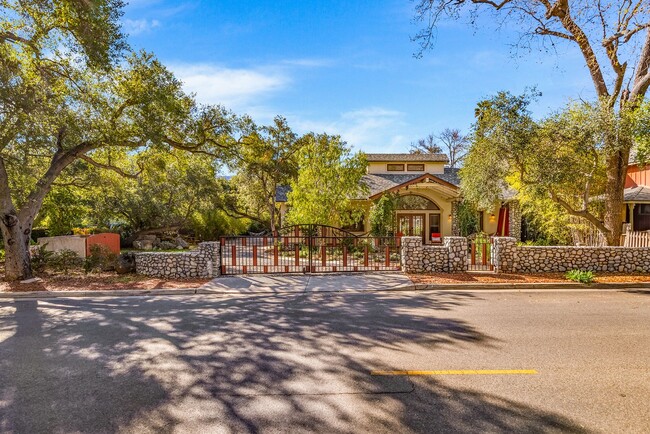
x: 345, y: 67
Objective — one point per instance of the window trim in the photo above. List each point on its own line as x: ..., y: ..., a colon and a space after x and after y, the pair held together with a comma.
x: 395, y: 165
x: 409, y: 167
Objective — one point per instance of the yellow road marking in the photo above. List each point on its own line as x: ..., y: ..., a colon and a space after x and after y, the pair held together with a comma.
x: 461, y: 372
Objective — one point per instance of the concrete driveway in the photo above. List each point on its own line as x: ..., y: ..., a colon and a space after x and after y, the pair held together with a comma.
x: 307, y: 283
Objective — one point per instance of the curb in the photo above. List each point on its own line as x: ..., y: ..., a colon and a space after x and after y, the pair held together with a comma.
x: 487, y: 287
x: 113, y: 293
x: 531, y: 286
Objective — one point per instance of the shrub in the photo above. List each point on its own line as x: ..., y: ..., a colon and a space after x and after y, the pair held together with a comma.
x: 580, y: 276
x: 40, y: 257
x: 64, y: 260
x: 101, y: 258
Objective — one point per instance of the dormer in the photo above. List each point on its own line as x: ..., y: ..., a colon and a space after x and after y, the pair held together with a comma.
x: 406, y: 164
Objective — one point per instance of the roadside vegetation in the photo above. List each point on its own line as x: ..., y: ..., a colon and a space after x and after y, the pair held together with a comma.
x: 98, y: 136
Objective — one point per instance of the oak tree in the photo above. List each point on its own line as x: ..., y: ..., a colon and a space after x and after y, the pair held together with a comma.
x: 68, y: 94
x: 613, y: 37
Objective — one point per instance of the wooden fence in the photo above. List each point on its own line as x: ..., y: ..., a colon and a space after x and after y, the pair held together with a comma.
x: 636, y: 239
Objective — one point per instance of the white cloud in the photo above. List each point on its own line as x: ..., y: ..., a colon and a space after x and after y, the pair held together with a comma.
x: 237, y: 89
x: 310, y: 62
x: 136, y: 27
x: 372, y: 129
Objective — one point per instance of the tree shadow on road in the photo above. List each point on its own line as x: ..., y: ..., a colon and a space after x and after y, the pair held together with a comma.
x: 291, y: 363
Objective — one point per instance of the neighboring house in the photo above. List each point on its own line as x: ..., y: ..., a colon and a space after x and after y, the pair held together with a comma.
x: 429, y: 194
x: 637, y: 196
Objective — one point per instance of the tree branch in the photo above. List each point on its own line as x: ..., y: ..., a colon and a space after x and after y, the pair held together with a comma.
x: 642, y: 76
x: 561, y: 11
x: 60, y: 160
x: 582, y: 213
x: 111, y: 167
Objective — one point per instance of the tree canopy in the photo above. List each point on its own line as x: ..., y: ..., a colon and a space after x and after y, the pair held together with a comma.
x: 70, y: 96
x: 328, y: 182
x: 613, y: 38
x: 561, y: 159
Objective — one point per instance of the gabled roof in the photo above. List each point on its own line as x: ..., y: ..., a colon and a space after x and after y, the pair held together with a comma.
x: 415, y: 179
x: 378, y: 158
x: 379, y: 183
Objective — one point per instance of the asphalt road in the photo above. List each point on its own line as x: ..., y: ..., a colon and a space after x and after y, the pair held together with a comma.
x: 302, y: 362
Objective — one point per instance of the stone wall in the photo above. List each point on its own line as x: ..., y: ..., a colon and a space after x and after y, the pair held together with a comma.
x: 455, y: 224
x: 514, y: 220
x: 201, y: 263
x: 509, y: 258
x: 450, y: 257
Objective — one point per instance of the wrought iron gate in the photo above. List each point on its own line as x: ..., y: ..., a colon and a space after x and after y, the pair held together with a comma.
x: 309, y: 249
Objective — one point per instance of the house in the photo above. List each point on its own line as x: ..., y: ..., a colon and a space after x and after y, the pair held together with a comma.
x: 637, y: 196
x: 429, y: 194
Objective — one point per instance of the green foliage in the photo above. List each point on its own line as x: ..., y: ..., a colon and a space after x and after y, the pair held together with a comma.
x: 101, y: 258
x: 558, y: 165
x: 328, y: 181
x: 467, y: 215
x: 64, y: 209
x: 65, y: 260
x: 265, y: 160
x: 210, y: 224
x: 41, y: 257
x: 580, y: 276
x: 382, y: 215
x: 173, y: 190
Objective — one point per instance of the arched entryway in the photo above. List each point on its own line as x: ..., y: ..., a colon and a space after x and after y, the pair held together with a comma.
x: 418, y: 215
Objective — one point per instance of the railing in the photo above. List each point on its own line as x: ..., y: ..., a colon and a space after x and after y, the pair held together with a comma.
x: 480, y: 254
x: 636, y: 239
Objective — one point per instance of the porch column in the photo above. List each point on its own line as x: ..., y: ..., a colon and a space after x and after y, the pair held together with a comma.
x: 630, y: 206
x: 514, y: 226
x: 455, y: 227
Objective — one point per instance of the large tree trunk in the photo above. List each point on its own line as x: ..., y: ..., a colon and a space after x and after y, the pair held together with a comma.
x: 617, y: 163
x: 16, y: 240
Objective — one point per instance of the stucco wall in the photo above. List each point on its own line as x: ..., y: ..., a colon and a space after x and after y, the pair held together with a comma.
x: 201, y: 263
x: 71, y: 242
x: 509, y: 258
x: 380, y: 168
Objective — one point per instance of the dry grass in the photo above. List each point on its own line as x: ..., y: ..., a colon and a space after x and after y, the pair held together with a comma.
x: 473, y: 278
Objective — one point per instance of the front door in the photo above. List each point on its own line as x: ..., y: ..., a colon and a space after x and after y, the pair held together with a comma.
x: 411, y: 224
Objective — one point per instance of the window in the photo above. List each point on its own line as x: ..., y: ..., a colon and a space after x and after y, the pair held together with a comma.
x: 434, y: 223
x: 412, y: 201
x: 415, y: 167
x: 395, y: 167
x: 644, y: 208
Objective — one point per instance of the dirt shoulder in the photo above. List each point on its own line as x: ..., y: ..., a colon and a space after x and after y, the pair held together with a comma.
x: 99, y: 282
x: 478, y: 278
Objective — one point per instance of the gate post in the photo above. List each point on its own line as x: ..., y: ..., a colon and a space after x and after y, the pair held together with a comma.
x: 457, y: 247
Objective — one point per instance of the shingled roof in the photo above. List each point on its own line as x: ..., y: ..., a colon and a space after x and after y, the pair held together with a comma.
x: 378, y: 158
x: 639, y: 193
x: 378, y: 183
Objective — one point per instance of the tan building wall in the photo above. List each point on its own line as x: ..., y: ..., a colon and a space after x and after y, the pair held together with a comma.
x: 381, y: 168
